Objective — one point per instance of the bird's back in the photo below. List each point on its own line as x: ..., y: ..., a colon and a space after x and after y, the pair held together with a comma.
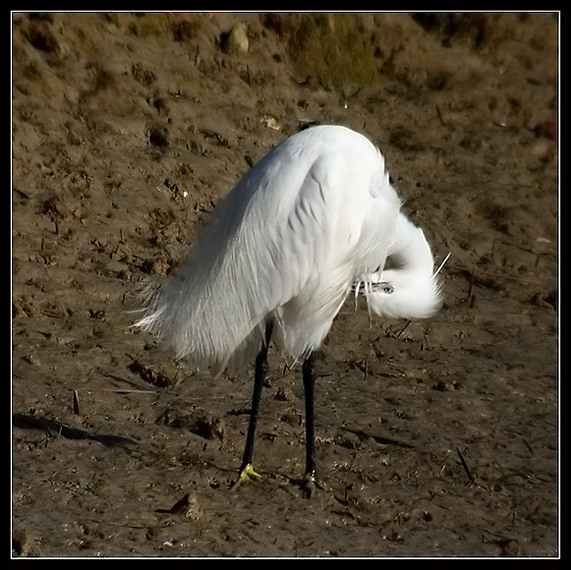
x: 286, y: 243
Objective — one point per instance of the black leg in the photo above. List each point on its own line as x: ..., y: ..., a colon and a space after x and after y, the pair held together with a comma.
x: 246, y: 470
x: 308, y: 385
x: 260, y: 376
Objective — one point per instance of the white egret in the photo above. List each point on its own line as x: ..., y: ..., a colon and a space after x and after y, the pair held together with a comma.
x: 315, y: 217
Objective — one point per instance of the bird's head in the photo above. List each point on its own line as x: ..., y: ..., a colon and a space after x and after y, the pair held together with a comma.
x: 407, y: 286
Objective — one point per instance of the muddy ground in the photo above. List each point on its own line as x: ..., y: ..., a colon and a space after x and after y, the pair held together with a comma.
x: 435, y: 439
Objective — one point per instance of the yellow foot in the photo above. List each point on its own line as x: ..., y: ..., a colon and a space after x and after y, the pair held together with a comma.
x: 247, y: 474
x: 309, y: 483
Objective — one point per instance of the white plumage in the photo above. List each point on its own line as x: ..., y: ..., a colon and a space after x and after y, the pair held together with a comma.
x: 314, y: 216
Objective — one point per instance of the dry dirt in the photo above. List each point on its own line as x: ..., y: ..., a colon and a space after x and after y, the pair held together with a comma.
x: 435, y: 439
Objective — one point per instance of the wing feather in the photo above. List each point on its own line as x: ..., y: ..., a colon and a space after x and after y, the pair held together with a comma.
x: 285, y: 244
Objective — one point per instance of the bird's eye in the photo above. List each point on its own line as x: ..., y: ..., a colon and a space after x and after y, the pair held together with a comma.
x: 386, y: 288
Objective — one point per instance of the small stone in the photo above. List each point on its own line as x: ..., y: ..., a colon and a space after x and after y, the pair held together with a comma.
x: 236, y: 40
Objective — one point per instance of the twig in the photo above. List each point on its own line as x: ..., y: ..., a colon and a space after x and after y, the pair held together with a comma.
x: 125, y: 391
x: 403, y: 329
x: 440, y: 118
x: 425, y: 343
x: 379, y: 438
x: 76, y: 402
x: 471, y: 289
x: 465, y: 466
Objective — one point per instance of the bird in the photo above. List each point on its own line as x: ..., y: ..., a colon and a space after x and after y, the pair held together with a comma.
x: 316, y: 218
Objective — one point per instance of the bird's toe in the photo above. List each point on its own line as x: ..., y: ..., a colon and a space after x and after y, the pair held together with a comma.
x: 309, y: 484
x: 247, y: 474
